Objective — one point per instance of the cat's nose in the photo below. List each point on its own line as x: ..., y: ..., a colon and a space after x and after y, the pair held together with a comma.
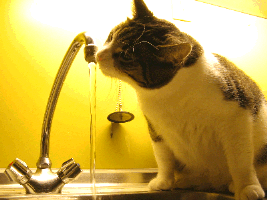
x: 102, y: 55
x: 98, y: 57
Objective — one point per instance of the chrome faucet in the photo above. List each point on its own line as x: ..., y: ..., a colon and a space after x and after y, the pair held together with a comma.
x: 44, y: 180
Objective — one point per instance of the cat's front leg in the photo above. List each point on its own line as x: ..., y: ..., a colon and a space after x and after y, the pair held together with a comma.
x: 166, y: 163
x: 239, y: 152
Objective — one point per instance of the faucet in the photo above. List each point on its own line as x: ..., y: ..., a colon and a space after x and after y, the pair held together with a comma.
x: 44, y: 180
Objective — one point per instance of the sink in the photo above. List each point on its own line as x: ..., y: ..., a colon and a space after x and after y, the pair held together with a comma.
x: 126, y: 184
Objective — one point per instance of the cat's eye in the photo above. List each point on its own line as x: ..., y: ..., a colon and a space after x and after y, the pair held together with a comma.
x: 125, y: 57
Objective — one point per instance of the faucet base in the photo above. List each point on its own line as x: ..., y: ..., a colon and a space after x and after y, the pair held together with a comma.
x: 43, y: 163
x: 43, y: 180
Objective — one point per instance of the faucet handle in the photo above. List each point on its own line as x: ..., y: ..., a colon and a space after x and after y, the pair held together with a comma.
x: 69, y: 170
x: 18, y: 171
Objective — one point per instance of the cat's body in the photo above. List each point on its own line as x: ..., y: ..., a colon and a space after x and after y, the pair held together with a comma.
x: 197, y: 124
x: 207, y: 119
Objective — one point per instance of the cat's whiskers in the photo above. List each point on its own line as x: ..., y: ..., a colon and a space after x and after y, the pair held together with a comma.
x: 141, y: 34
x: 145, y: 42
x: 137, y: 43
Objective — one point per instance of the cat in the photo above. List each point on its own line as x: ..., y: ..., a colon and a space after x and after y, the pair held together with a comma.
x: 207, y: 119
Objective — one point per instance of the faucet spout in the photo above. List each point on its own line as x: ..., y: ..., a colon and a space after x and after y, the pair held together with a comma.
x: 44, y: 180
x: 79, y: 40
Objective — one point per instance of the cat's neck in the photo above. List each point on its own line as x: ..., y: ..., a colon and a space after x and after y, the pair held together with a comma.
x: 186, y: 79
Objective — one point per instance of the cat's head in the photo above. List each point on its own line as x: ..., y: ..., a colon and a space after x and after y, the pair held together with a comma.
x: 145, y: 50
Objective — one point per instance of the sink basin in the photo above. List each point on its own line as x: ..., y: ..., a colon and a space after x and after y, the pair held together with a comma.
x: 110, y: 185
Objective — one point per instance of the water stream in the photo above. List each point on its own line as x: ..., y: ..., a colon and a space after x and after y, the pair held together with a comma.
x: 92, y: 77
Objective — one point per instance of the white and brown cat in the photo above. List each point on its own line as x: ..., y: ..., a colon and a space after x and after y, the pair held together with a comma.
x: 207, y: 119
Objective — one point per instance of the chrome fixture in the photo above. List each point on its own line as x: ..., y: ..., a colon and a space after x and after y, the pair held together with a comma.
x: 44, y: 180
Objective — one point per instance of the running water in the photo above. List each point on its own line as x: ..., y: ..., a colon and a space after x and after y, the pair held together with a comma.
x: 92, y: 76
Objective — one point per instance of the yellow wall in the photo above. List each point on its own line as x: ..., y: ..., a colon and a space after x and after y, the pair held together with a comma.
x: 33, y: 40
x: 256, y: 8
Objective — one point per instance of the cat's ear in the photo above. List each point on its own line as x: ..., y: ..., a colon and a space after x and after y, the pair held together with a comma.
x: 176, y: 52
x: 140, y: 10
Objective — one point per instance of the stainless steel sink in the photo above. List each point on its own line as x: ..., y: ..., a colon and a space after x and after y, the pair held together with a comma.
x: 110, y: 185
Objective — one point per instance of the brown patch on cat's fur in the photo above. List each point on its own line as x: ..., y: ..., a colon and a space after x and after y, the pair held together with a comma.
x: 261, y: 158
x: 196, y: 52
x: 153, y: 134
x: 237, y: 86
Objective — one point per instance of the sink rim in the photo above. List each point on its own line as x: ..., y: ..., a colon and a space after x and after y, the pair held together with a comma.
x: 132, y: 195
x: 115, y: 182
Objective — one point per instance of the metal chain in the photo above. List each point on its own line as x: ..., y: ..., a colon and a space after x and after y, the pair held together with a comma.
x: 119, y: 103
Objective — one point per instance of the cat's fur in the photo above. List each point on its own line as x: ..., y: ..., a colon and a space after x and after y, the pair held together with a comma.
x: 207, y: 119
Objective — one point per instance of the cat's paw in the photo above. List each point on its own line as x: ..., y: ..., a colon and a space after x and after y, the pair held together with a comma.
x: 161, y: 184
x: 250, y: 192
